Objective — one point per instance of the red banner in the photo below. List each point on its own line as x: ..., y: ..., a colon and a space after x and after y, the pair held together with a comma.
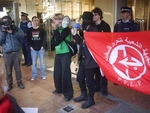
x: 124, y: 58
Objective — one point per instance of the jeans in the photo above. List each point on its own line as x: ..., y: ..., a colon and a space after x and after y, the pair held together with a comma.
x: 35, y: 55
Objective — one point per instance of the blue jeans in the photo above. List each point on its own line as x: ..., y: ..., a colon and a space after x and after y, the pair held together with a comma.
x: 35, y: 55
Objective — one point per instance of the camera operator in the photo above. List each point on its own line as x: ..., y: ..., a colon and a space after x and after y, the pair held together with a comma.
x: 10, y: 37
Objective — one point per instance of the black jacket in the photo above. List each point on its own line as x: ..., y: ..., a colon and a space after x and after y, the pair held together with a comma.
x: 16, y: 107
x: 129, y: 26
x: 84, y: 55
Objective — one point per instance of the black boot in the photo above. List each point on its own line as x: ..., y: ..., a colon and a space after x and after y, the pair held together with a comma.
x: 20, y: 85
x: 82, y: 97
x: 88, y: 103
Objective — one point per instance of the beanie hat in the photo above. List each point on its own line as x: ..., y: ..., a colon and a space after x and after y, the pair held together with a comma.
x: 87, y: 16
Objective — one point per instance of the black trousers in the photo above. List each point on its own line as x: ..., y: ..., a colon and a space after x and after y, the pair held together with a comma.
x: 13, y: 60
x: 81, y: 78
x: 101, y: 81
x: 62, y: 74
x: 90, y: 78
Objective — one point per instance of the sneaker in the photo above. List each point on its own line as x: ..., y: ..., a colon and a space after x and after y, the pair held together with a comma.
x: 44, y: 78
x: 32, y: 78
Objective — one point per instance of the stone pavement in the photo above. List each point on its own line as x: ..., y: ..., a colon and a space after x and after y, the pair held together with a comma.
x: 38, y: 93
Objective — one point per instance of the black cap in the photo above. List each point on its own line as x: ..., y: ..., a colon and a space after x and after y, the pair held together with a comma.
x: 125, y: 9
x: 24, y: 14
x: 87, y: 16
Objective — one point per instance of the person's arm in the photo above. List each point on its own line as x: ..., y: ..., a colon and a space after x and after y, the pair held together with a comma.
x: 107, y: 28
x: 135, y: 27
x: 58, y: 38
x: 29, y: 25
x: 29, y: 37
x: 115, y: 27
x: 78, y: 39
x: 2, y: 37
x: 43, y: 39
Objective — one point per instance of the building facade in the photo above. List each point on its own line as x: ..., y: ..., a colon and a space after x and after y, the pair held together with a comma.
x: 45, y: 9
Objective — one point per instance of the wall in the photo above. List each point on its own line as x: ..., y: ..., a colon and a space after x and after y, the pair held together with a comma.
x: 87, y: 5
x: 118, y: 5
x: 27, y: 6
x: 31, y: 8
x: 107, y: 7
x: 111, y: 10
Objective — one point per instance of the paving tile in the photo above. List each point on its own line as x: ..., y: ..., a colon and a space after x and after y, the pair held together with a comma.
x: 39, y: 94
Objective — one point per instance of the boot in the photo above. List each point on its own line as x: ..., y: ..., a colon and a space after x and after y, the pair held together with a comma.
x: 20, y: 85
x: 82, y: 97
x: 88, y: 103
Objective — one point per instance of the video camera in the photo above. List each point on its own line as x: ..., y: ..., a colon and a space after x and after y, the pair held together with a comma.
x: 7, y: 25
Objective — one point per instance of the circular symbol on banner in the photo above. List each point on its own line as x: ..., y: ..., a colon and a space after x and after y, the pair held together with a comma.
x: 127, y: 62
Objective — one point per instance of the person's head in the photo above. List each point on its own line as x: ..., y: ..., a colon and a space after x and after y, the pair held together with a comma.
x: 3, y: 83
x: 6, y: 18
x: 24, y: 16
x: 87, y: 19
x: 35, y: 21
x: 57, y: 19
x: 125, y: 13
x: 97, y: 14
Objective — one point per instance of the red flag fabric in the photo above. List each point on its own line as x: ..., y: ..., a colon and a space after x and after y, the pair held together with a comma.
x: 124, y: 58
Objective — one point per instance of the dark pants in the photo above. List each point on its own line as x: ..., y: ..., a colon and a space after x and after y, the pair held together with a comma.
x: 90, y: 79
x: 26, y: 51
x: 62, y: 74
x: 12, y: 60
x: 81, y: 78
x: 101, y: 82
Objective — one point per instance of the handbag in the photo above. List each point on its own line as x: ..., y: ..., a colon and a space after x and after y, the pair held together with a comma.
x: 72, y: 47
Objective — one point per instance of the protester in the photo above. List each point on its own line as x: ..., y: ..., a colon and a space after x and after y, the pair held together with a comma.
x: 125, y: 24
x: 10, y: 37
x: 87, y: 65
x: 25, y: 24
x: 62, y: 72
x: 102, y: 26
x: 36, y: 37
x: 8, y: 103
